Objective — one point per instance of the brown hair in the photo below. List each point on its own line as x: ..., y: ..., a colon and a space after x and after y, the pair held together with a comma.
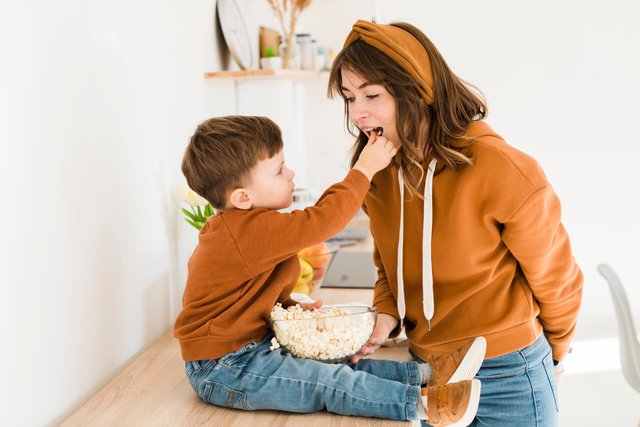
x: 223, y: 151
x: 455, y: 105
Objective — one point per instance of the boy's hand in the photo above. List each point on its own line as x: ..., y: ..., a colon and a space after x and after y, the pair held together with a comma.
x: 375, y: 156
x: 311, y: 305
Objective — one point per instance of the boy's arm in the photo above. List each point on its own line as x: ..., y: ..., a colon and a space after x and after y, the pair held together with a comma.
x: 288, y: 302
x: 266, y: 238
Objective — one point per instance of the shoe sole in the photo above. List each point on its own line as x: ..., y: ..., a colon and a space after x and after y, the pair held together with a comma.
x: 472, y: 407
x: 471, y: 362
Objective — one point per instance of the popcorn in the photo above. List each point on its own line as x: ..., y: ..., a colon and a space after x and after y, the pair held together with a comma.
x: 274, y: 344
x: 328, y: 334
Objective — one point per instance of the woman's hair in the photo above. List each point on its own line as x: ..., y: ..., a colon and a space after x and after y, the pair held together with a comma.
x: 223, y: 151
x: 455, y: 105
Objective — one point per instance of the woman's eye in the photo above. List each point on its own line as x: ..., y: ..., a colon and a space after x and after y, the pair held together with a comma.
x: 372, y: 96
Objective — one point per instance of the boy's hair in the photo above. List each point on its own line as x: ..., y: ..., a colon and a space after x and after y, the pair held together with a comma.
x: 223, y: 151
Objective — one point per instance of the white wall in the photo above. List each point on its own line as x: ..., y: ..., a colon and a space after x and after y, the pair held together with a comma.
x: 97, y: 101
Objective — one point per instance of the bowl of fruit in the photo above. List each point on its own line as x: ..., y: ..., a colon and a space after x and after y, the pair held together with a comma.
x: 329, y: 334
x: 314, y: 263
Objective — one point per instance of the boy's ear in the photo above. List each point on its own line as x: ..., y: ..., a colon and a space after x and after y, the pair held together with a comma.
x: 240, y: 199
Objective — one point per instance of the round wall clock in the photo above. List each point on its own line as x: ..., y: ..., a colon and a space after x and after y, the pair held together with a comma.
x: 235, y: 33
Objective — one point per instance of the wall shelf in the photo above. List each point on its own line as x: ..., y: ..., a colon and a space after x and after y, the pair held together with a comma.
x: 282, y: 95
x: 294, y: 74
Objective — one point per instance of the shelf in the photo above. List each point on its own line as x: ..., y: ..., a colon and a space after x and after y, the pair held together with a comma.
x: 235, y: 74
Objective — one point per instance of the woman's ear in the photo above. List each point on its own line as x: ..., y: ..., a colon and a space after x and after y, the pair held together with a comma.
x: 240, y: 199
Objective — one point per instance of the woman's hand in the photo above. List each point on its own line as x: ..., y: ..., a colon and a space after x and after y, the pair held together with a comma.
x: 385, y: 324
x: 311, y: 305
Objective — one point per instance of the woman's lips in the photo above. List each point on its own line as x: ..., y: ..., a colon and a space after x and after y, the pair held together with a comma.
x: 378, y: 131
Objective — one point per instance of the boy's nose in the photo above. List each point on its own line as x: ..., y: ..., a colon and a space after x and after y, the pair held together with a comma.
x: 291, y: 173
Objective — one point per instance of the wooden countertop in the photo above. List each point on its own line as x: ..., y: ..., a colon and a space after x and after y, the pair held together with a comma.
x: 153, y: 390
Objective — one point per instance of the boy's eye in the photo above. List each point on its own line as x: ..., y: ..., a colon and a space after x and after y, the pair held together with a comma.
x: 348, y: 99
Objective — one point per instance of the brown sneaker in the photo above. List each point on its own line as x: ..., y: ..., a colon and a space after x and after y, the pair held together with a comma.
x: 461, y: 364
x: 452, y: 404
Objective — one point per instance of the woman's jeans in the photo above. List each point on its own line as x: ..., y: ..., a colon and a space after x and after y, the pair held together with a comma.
x: 255, y: 377
x: 519, y: 389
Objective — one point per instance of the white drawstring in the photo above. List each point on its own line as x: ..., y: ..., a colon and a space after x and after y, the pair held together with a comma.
x: 400, y: 279
x: 427, y: 230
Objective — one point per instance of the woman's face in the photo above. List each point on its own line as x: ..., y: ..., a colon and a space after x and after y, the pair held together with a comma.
x: 370, y: 106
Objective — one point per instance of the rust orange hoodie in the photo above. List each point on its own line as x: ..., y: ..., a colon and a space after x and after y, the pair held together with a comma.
x: 246, y: 261
x: 496, y: 259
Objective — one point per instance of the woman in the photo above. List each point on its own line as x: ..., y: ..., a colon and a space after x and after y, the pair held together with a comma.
x: 467, y: 229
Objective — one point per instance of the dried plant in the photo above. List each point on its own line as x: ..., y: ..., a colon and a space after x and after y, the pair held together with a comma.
x: 287, y: 12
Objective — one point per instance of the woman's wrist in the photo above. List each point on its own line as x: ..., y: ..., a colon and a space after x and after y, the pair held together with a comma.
x: 388, y: 321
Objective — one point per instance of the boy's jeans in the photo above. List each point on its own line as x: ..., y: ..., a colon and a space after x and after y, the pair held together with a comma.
x: 518, y: 389
x: 255, y: 377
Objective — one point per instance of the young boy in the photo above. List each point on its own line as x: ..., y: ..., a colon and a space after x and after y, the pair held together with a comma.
x: 246, y: 261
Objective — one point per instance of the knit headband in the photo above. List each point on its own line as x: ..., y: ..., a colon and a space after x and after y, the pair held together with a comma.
x: 400, y: 46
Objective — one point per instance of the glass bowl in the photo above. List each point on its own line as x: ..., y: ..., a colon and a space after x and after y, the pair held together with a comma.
x: 328, y: 334
x: 314, y: 263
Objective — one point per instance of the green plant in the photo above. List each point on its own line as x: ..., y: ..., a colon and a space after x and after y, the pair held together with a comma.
x: 270, y: 52
x: 198, y: 215
x: 199, y: 209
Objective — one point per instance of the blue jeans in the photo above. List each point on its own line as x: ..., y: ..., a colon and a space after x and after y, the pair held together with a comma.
x: 255, y: 377
x: 518, y: 389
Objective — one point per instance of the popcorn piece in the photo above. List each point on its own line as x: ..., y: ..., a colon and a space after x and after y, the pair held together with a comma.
x: 274, y: 344
x: 326, y: 334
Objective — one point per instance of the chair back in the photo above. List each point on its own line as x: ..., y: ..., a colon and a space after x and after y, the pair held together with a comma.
x: 629, y: 344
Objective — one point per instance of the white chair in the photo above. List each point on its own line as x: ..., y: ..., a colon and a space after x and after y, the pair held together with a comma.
x: 629, y: 344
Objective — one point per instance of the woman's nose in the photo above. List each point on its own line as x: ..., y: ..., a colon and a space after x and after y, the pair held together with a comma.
x: 357, y: 113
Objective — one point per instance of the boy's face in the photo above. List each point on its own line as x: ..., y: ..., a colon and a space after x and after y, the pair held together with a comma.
x: 271, y: 183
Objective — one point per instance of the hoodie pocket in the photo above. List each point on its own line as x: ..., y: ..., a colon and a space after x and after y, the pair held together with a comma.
x: 526, y: 290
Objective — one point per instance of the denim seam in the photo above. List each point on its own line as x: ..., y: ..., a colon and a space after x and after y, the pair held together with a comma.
x: 532, y: 347
x: 551, y: 386
x: 232, y: 394
x: 414, y: 373
x: 317, y: 383
x: 412, y: 403
x: 408, y: 376
x: 523, y: 354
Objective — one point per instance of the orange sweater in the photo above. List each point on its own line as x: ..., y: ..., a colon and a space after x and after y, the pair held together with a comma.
x: 246, y: 261
x: 501, y: 260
